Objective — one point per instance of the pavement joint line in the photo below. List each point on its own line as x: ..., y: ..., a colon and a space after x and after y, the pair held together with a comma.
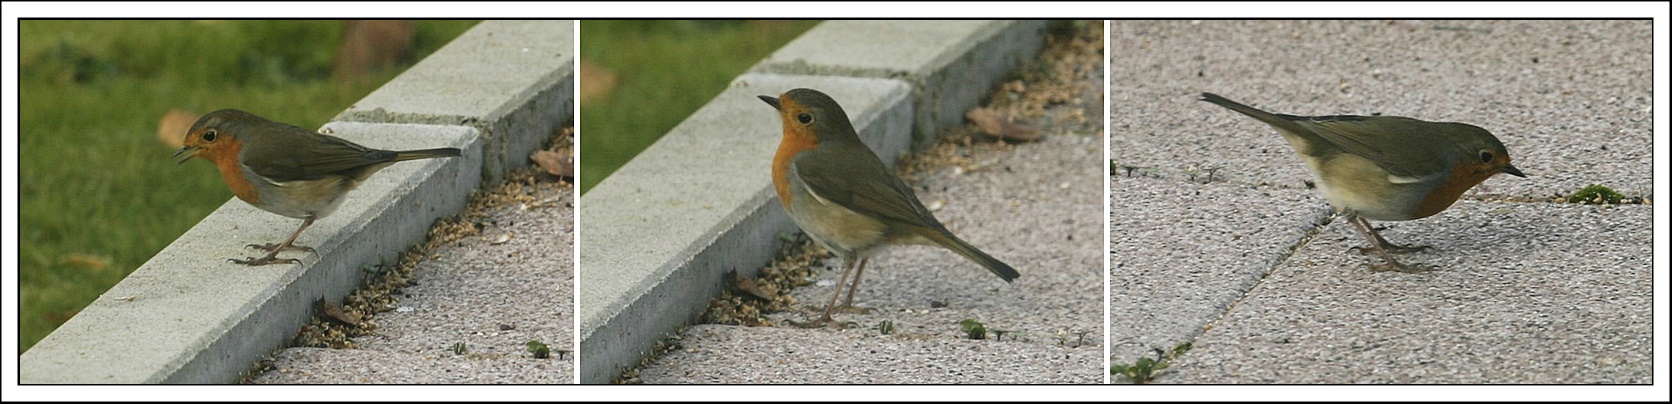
x: 1312, y: 232
x: 195, y: 321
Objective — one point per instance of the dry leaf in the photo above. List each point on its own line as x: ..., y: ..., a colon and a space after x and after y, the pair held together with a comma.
x: 558, y: 164
x: 1003, y: 127
x: 334, y: 312
x: 597, y: 82
x: 748, y: 286
x: 85, y: 261
x: 171, y: 129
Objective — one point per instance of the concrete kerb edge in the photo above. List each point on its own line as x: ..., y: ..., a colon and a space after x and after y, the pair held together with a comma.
x: 607, y: 352
x: 512, y: 80
x: 237, y: 326
x: 511, y: 132
x: 944, y: 88
x: 440, y: 189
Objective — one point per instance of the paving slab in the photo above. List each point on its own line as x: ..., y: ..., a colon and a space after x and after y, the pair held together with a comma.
x: 1570, y: 100
x: 375, y: 366
x: 1036, y: 207
x: 492, y: 296
x: 1524, y: 293
x: 1182, y: 252
x: 788, y: 356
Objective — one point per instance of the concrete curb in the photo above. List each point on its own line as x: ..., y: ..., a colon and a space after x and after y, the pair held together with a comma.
x: 950, y: 65
x: 188, y: 316
x: 513, y: 80
x: 663, y: 230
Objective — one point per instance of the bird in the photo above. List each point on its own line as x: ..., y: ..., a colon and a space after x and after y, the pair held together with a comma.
x: 286, y: 170
x: 1387, y: 168
x: 842, y: 196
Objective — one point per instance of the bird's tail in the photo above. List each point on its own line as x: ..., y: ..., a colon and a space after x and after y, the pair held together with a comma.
x: 1278, y: 120
x: 951, y: 242
x: 427, y: 153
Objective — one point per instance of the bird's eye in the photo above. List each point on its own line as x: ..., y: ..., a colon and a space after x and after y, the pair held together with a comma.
x: 1485, y: 156
x: 804, y: 118
x: 209, y: 135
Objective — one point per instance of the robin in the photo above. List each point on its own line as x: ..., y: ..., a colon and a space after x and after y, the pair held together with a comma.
x: 1386, y: 167
x: 285, y: 169
x: 842, y: 195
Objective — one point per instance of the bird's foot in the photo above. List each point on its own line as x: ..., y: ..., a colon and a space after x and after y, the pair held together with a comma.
x: 850, y: 309
x: 822, y: 322
x: 267, y: 260
x: 1395, y: 266
x: 1391, y: 249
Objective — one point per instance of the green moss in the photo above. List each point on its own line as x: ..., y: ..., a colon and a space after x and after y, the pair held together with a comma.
x: 1596, y: 195
x: 974, y: 329
x: 539, y: 349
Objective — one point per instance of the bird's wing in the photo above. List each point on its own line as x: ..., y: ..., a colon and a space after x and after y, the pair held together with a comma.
x: 1390, y: 139
x: 863, y: 185
x: 328, y: 156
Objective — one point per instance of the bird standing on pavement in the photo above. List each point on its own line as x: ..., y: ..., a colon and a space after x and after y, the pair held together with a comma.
x: 1385, y: 167
x: 840, y: 193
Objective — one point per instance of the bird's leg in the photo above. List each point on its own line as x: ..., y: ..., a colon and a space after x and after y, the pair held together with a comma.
x: 828, y: 307
x: 847, y: 305
x: 831, y: 306
x: 288, y: 244
x: 273, y: 251
x: 1381, y: 246
x: 1380, y: 243
x: 1384, y: 244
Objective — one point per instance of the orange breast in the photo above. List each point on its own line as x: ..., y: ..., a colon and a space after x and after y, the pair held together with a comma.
x: 1462, y: 177
x: 796, y: 140
x: 226, y: 160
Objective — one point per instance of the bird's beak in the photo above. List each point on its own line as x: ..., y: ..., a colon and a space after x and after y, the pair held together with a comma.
x: 1511, y: 170
x: 773, y: 102
x: 183, y: 150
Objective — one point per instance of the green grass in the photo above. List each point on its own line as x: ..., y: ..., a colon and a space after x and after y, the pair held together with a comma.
x: 666, y: 70
x: 1145, y: 370
x: 98, y: 193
